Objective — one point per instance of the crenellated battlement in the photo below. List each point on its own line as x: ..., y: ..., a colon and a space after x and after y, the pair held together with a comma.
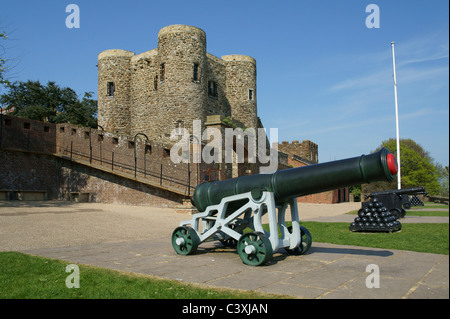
x: 306, y: 149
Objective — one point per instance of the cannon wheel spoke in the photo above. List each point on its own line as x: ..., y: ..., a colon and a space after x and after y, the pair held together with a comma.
x: 185, y: 240
x: 254, y: 248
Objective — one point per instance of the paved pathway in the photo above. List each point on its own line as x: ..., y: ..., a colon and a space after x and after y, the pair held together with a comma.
x: 137, y: 239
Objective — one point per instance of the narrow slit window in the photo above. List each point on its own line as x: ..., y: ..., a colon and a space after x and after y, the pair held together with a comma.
x: 212, y: 89
x: 162, y: 72
x: 250, y: 94
x: 195, y: 73
x: 110, y: 89
x: 155, y: 83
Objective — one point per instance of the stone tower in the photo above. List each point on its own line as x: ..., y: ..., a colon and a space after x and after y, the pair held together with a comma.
x: 114, y: 86
x: 172, y: 85
x: 241, y: 88
x: 182, y: 77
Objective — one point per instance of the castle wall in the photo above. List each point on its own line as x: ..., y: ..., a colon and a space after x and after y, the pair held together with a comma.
x: 26, y: 134
x: 60, y: 159
x: 28, y: 171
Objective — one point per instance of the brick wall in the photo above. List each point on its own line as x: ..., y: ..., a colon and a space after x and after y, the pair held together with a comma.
x: 27, y: 171
x: 61, y: 178
x: 27, y: 134
x: 21, y: 170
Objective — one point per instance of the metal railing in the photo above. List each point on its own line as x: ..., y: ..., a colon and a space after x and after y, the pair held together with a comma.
x: 156, y: 173
x: 111, y: 162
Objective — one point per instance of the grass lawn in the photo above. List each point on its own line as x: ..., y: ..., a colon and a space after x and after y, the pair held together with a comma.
x: 426, y: 213
x: 432, y: 205
x: 31, y: 277
x: 429, y: 238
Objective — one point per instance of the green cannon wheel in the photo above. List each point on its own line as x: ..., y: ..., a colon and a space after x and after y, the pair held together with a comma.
x: 254, y: 248
x: 185, y: 240
x: 305, y: 243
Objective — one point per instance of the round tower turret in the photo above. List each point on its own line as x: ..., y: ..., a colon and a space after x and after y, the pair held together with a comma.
x: 182, y: 77
x: 114, y: 81
x: 241, y: 88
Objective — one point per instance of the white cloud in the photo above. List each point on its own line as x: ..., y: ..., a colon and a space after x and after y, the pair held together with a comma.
x: 371, y: 80
x: 411, y: 64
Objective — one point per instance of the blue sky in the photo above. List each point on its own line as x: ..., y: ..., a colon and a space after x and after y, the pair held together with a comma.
x: 322, y: 74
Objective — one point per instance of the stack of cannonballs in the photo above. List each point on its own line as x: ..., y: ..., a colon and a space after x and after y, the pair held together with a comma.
x: 374, y: 217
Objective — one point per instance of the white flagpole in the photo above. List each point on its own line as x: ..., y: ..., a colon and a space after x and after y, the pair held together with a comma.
x: 399, y: 178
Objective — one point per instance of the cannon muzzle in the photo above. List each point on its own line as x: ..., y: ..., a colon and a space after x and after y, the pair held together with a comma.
x: 295, y: 182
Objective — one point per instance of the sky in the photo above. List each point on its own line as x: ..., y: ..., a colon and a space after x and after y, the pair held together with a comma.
x: 324, y: 67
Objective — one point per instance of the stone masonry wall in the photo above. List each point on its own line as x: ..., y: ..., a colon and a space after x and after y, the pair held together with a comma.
x: 306, y: 150
x: 61, y: 178
x: 241, y: 79
x: 114, y: 67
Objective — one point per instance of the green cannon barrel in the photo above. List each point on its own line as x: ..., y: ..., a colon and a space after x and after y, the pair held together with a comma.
x: 301, y: 181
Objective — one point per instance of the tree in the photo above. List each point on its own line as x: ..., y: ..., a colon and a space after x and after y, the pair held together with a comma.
x: 3, y: 81
x: 49, y: 103
x: 80, y: 112
x: 417, y: 168
x: 443, y: 180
